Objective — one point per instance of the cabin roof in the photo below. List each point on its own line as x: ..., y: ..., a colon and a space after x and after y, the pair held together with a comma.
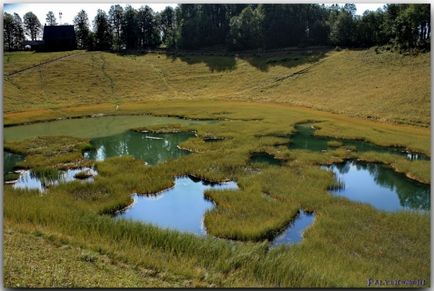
x: 59, y: 32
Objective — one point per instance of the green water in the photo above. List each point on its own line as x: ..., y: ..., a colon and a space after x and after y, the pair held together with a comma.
x: 264, y: 158
x: 304, y: 138
x: 10, y: 160
x: 150, y: 147
x: 92, y: 127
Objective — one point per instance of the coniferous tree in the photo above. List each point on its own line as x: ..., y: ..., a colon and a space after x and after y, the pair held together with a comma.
x: 148, y: 30
x: 129, y: 28
x: 82, y: 30
x: 32, y: 25
x: 18, y: 32
x: 51, y: 19
x: 8, y: 31
x: 239, y: 26
x: 116, y: 15
x: 102, y: 30
x: 167, y: 24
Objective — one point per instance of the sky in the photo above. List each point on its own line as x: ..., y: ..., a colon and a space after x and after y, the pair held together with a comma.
x: 70, y: 10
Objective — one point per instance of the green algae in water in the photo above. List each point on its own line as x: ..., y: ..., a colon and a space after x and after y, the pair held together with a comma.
x: 304, y: 138
x: 265, y: 159
x: 93, y: 127
x: 10, y: 160
x: 153, y: 148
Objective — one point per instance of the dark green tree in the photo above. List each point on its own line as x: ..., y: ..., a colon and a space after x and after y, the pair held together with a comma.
x: 188, y: 35
x: 116, y: 16
x: 369, y: 29
x: 148, y: 29
x: 350, y: 8
x: 285, y: 25
x: 81, y: 27
x: 102, y: 30
x: 8, y: 31
x: 167, y: 23
x: 412, y: 26
x: 246, y: 29
x: 130, y: 28
x: 18, y: 32
x: 51, y: 19
x: 343, y: 29
x: 32, y: 25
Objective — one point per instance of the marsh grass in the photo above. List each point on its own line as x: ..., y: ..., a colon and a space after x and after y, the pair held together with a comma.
x: 334, y: 144
x: 342, y: 229
x: 348, y: 242
x: 11, y: 176
x: 45, y: 174
x: 59, y: 151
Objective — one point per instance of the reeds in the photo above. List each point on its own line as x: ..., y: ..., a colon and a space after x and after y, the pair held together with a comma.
x: 347, y: 243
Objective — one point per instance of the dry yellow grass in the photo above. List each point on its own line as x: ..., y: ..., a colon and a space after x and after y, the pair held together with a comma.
x: 385, y: 86
x: 348, y: 242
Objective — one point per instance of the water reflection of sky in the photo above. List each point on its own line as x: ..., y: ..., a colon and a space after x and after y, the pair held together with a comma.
x: 380, y: 186
x: 181, y: 207
x: 31, y: 181
x: 293, y: 234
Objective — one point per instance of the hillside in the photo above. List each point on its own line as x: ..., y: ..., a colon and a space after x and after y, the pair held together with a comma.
x: 385, y: 86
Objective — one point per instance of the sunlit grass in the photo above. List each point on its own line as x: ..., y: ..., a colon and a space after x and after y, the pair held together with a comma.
x: 384, y: 86
x: 348, y: 242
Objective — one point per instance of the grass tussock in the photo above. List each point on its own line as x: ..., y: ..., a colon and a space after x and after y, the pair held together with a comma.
x: 60, y: 151
x: 348, y: 242
x: 75, y: 212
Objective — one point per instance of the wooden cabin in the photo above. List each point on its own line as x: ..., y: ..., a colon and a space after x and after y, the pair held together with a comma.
x: 59, y: 38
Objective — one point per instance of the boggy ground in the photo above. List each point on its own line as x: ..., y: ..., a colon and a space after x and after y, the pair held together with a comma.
x: 347, y: 244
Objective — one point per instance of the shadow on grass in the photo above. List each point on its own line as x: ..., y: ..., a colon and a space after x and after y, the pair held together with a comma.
x: 222, y: 60
x: 262, y: 60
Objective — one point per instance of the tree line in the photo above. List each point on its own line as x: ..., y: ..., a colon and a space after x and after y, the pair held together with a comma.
x: 237, y: 27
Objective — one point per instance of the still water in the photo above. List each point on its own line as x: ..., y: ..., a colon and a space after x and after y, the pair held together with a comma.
x: 293, y: 234
x: 10, y: 160
x: 181, y: 207
x: 93, y: 127
x: 31, y: 180
x: 152, y: 148
x: 264, y: 158
x: 304, y: 138
x: 380, y: 186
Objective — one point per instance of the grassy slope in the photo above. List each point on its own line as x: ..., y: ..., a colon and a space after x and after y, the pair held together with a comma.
x: 34, y: 259
x: 384, y: 86
x: 351, y: 241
